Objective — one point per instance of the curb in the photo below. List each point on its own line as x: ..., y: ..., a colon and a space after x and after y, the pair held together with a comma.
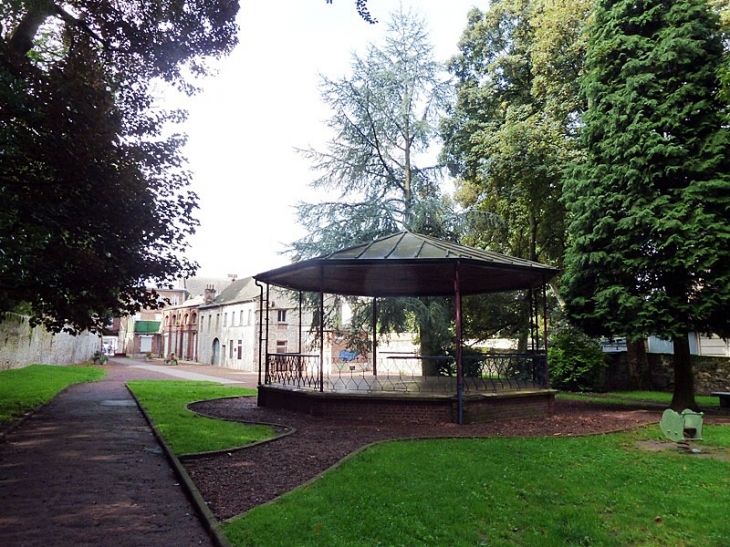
x: 212, y: 526
x: 287, y: 430
x: 16, y: 423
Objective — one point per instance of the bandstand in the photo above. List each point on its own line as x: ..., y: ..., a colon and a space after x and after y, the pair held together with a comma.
x: 392, y: 386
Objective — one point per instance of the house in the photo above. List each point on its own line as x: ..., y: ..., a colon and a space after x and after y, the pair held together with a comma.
x: 139, y: 334
x: 180, y: 329
x: 180, y: 321
x: 699, y: 344
x: 229, y: 326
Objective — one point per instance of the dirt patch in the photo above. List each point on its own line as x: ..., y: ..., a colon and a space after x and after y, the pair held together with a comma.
x: 235, y: 482
x: 697, y: 450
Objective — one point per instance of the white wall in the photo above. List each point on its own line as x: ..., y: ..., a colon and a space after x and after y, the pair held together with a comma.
x: 21, y: 346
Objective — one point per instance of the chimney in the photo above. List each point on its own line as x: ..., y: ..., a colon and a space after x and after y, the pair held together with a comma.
x: 209, y: 294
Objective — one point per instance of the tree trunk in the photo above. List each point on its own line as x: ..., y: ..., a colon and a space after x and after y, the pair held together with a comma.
x: 684, y: 393
x: 21, y: 39
x: 639, y: 374
x: 428, y: 347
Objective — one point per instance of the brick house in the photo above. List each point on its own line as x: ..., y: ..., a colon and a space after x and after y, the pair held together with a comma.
x: 180, y: 322
x: 140, y: 334
x: 180, y: 329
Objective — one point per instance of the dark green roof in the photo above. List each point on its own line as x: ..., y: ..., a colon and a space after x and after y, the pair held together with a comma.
x: 410, y: 264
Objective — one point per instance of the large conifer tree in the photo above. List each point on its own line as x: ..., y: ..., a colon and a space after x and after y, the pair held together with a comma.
x: 649, y: 237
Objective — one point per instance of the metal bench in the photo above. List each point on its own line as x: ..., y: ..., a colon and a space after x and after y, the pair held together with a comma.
x: 724, y: 398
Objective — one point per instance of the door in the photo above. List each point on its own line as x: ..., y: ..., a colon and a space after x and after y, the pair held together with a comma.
x: 216, y: 352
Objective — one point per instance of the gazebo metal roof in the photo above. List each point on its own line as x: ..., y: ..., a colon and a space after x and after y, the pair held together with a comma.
x: 409, y: 264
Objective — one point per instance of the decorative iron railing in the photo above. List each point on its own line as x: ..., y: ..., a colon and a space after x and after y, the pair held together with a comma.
x: 293, y: 370
x: 408, y: 373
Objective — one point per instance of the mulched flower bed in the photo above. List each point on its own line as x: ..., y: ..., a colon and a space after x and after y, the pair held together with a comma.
x: 234, y: 482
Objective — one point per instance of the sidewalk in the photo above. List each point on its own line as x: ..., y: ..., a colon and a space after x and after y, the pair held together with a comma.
x: 190, y: 371
x: 86, y: 470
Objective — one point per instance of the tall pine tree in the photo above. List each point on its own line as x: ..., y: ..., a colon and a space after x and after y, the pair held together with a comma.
x: 649, y: 236
x: 378, y: 169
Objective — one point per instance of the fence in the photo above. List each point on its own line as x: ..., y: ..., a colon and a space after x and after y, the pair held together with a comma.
x: 408, y: 373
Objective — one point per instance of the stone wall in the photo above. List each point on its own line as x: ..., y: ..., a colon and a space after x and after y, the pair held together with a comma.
x: 710, y: 373
x: 21, y: 345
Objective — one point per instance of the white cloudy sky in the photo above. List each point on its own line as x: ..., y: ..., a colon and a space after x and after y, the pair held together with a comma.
x: 263, y: 103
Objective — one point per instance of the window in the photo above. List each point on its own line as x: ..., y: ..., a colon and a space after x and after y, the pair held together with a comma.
x: 281, y: 346
x: 240, y: 349
x: 240, y: 318
x: 209, y: 320
x: 225, y: 319
x: 281, y: 316
x: 230, y: 349
x: 250, y: 312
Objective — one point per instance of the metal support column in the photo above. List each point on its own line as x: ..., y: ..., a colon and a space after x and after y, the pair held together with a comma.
x: 299, y: 349
x: 321, y: 329
x: 459, y: 341
x: 545, y: 330
x: 375, y: 336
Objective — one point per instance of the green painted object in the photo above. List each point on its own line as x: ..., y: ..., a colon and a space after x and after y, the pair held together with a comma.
x: 686, y: 426
x: 672, y: 425
x: 692, y: 424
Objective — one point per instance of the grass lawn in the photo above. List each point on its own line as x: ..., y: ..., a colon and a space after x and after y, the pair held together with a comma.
x: 600, y: 490
x: 187, y: 432
x: 631, y: 397
x: 25, y: 388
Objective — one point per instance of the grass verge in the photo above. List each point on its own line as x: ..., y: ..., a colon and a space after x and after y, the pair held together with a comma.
x: 25, y: 388
x: 586, y: 491
x: 633, y: 397
x: 187, y: 432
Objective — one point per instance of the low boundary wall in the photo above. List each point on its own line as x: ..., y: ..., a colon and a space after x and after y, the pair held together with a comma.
x: 432, y: 408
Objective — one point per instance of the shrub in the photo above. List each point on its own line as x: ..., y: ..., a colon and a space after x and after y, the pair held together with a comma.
x: 576, y: 362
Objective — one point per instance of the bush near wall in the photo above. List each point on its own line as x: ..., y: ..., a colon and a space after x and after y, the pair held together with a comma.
x: 576, y: 362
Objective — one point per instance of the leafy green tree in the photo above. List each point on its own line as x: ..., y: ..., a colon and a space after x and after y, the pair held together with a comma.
x: 511, y: 134
x: 385, y: 117
x: 362, y: 9
x: 650, y: 203
x: 93, y: 185
x: 512, y: 130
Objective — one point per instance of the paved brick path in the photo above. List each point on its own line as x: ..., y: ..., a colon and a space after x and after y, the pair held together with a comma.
x: 87, y: 470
